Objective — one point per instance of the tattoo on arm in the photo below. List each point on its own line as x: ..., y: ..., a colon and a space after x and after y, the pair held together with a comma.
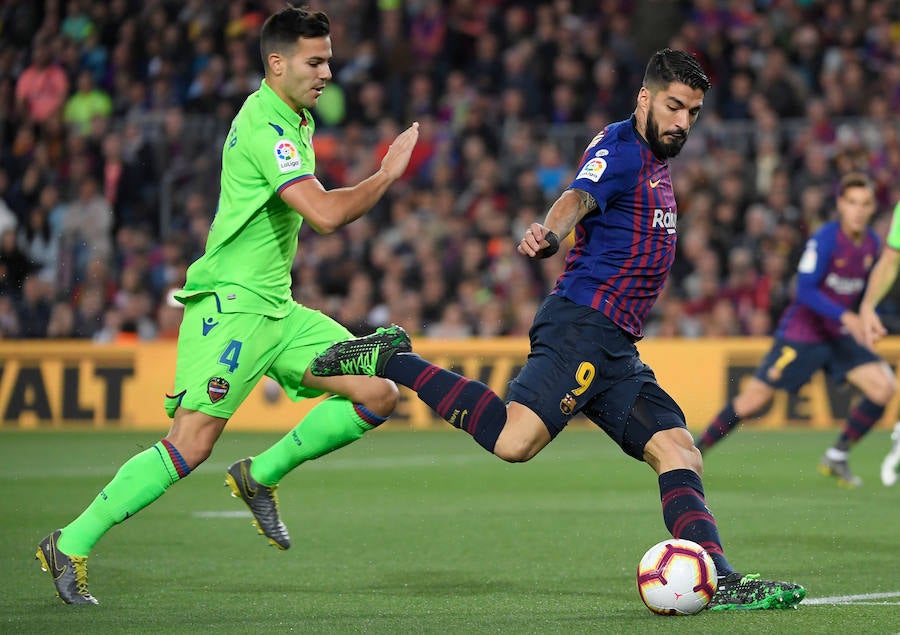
x: 587, y: 201
x: 572, y: 205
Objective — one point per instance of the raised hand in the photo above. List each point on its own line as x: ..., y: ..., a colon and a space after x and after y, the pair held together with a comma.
x: 536, y: 240
x: 397, y: 158
x: 854, y: 326
x: 873, y: 329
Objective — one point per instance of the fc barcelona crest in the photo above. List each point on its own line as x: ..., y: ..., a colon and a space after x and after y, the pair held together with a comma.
x: 567, y: 404
x: 217, y: 388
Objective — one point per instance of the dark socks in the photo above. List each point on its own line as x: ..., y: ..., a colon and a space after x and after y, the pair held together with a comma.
x: 686, y: 515
x: 863, y: 418
x: 721, y: 426
x: 465, y: 404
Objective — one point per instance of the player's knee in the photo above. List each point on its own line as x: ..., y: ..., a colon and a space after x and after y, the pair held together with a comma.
x: 382, y: 398
x: 891, y: 389
x: 693, y: 458
x: 684, y: 456
x: 193, y: 435
x: 522, y: 437
x: 194, y: 451
x: 885, y: 390
x: 515, y: 449
x: 751, y: 401
x: 673, y: 450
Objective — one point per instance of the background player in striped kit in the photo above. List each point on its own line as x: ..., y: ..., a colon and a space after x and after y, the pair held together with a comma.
x: 820, y: 329
x: 583, y: 357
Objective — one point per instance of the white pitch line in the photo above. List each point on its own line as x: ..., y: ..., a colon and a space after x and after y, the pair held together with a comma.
x: 374, y: 462
x: 330, y: 464
x: 852, y: 599
x: 223, y: 514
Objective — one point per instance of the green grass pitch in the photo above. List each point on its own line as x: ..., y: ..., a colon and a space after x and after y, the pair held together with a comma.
x: 423, y: 532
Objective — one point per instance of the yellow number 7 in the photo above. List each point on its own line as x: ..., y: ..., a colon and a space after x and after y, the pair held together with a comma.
x: 788, y: 355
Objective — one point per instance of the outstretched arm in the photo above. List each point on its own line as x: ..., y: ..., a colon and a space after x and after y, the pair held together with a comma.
x: 882, y: 278
x: 329, y: 210
x: 564, y: 214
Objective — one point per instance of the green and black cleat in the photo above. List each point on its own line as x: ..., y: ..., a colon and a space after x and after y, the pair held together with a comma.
x: 739, y: 592
x: 262, y: 501
x: 366, y: 355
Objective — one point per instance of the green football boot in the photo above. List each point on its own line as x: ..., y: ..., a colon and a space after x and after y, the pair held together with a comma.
x: 366, y: 355
x: 739, y: 592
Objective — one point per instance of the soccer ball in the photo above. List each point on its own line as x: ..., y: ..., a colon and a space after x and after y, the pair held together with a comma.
x: 676, y: 577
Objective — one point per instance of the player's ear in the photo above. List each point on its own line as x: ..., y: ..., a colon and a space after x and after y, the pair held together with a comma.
x: 276, y: 63
x: 643, y: 98
x: 643, y: 101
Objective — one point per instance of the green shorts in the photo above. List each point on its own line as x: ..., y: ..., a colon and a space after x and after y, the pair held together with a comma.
x: 222, y: 356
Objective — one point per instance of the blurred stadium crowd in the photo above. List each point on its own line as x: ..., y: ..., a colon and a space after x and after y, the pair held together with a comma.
x: 112, y: 116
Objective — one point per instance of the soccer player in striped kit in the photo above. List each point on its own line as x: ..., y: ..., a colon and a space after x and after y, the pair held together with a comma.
x: 820, y: 329
x: 583, y: 356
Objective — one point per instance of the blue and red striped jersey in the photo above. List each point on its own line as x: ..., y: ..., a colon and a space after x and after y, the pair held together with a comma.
x: 623, y: 249
x: 831, y: 278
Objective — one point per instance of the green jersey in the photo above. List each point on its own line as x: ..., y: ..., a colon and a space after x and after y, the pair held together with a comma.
x: 893, y: 237
x: 253, y: 238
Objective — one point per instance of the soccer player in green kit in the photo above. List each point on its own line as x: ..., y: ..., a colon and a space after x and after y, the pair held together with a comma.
x: 240, y: 321
x: 881, y: 280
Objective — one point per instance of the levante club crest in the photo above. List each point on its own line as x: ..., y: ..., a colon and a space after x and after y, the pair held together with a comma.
x: 217, y: 388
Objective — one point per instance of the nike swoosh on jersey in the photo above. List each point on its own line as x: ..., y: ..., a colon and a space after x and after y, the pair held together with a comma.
x: 653, y: 183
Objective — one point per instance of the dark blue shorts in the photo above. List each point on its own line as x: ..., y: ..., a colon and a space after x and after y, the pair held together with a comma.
x: 580, y: 361
x: 789, y: 365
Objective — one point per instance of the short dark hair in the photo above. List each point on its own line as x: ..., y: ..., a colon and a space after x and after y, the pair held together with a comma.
x: 854, y: 179
x: 280, y: 30
x: 668, y: 65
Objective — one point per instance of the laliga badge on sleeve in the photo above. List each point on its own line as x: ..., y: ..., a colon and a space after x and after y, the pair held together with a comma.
x: 593, y: 169
x: 287, y: 156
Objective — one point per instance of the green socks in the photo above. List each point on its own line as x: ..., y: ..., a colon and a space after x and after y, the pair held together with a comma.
x: 145, y: 477
x: 139, y: 482
x: 332, y: 424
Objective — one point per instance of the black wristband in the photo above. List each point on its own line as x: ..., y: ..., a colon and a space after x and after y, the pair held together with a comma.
x: 552, y: 248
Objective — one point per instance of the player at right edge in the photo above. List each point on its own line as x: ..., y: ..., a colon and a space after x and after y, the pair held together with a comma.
x: 882, y: 278
x: 821, y: 330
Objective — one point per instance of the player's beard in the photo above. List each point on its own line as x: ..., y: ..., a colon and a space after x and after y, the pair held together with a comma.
x: 660, y: 148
